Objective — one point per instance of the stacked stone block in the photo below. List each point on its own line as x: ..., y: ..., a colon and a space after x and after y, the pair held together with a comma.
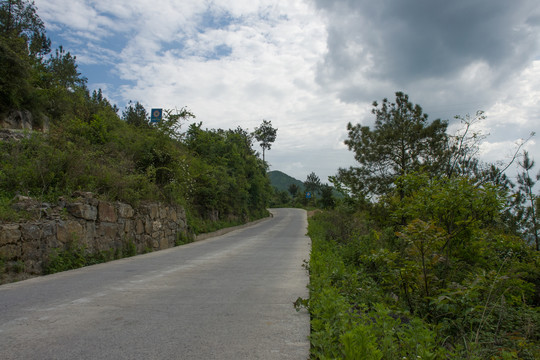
x: 96, y: 224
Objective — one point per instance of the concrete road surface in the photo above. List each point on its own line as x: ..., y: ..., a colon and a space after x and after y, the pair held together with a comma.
x: 228, y: 297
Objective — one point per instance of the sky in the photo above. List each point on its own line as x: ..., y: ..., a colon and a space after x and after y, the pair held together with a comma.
x: 312, y: 66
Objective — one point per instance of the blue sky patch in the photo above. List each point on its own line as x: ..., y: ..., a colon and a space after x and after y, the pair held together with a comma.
x: 213, y: 20
x: 221, y: 51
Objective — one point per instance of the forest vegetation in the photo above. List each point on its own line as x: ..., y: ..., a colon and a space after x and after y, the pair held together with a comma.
x: 432, y: 254
x: 309, y: 194
x: 214, y: 173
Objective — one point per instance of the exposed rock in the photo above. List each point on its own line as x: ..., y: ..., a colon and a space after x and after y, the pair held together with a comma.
x: 139, y: 227
x: 49, y: 239
x: 108, y: 230
x: 163, y: 243
x: 67, y: 231
x: 48, y: 229
x: 163, y: 212
x: 12, y: 135
x: 153, y: 211
x: 22, y: 120
x: 19, y: 198
x: 10, y: 252
x: 31, y: 232
x: 148, y: 226
x: 89, y: 234
x: 125, y: 211
x: 9, y: 234
x: 96, y: 224
x: 32, y: 267
x: 18, y: 124
x: 173, y: 215
x: 28, y: 204
x: 31, y: 250
x: 83, y: 211
x: 45, y: 125
x: 213, y: 215
x: 107, y: 212
x: 128, y: 226
x: 82, y: 194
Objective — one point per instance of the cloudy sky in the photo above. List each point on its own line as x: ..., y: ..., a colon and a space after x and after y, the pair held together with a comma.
x: 312, y: 66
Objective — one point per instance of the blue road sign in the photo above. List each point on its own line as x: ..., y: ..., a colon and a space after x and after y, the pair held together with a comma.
x: 308, y: 195
x: 156, y: 115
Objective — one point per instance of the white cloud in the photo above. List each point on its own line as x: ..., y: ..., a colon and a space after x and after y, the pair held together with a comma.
x: 311, y: 70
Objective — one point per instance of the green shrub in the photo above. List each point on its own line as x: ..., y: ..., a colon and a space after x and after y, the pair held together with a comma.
x: 129, y: 248
x: 73, y: 256
x: 362, y: 290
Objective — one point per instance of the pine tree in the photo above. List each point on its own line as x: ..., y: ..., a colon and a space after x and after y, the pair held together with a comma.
x: 402, y: 142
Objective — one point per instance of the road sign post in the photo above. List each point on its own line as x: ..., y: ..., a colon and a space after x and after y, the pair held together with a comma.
x: 156, y: 115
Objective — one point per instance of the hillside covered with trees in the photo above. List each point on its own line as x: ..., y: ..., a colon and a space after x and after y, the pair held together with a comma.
x: 88, y: 145
x: 432, y: 254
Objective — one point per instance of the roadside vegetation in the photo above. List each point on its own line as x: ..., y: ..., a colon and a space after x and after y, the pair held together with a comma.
x: 431, y: 254
x: 309, y: 194
x: 90, y: 146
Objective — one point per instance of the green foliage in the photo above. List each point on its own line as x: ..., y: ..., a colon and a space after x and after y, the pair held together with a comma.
x: 265, y: 135
x: 183, y: 238
x: 312, y: 183
x: 72, y: 257
x: 401, y: 142
x: 327, y: 197
x: 527, y: 200
x: 229, y: 181
x: 129, y: 248
x: 280, y: 199
x: 439, y: 264
x: 7, y: 213
x: 282, y: 181
x: 477, y: 300
x: 459, y: 207
x: 347, y: 319
x: 214, y: 174
x: 15, y: 76
x: 293, y: 189
x: 136, y: 115
x: 75, y: 255
x: 62, y: 68
x: 19, y: 19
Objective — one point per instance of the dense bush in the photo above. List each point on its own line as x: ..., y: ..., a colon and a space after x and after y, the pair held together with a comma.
x: 431, y: 254
x: 447, y: 275
x: 214, y: 174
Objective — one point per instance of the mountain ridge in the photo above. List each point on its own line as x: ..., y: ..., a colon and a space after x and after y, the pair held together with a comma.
x: 282, y: 181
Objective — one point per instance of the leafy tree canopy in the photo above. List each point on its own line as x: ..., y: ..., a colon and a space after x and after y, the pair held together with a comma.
x: 265, y: 135
x: 401, y: 142
x: 136, y: 115
x: 312, y: 183
x: 19, y: 20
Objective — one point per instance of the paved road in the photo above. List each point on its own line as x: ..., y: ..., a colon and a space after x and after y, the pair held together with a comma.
x: 228, y: 297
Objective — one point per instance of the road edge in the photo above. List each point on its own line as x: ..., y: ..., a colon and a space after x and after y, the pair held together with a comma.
x: 224, y: 231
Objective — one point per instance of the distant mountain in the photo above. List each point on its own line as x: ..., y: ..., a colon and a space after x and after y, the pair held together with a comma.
x: 282, y: 181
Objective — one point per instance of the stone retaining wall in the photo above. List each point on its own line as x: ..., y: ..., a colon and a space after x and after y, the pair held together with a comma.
x: 98, y: 225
